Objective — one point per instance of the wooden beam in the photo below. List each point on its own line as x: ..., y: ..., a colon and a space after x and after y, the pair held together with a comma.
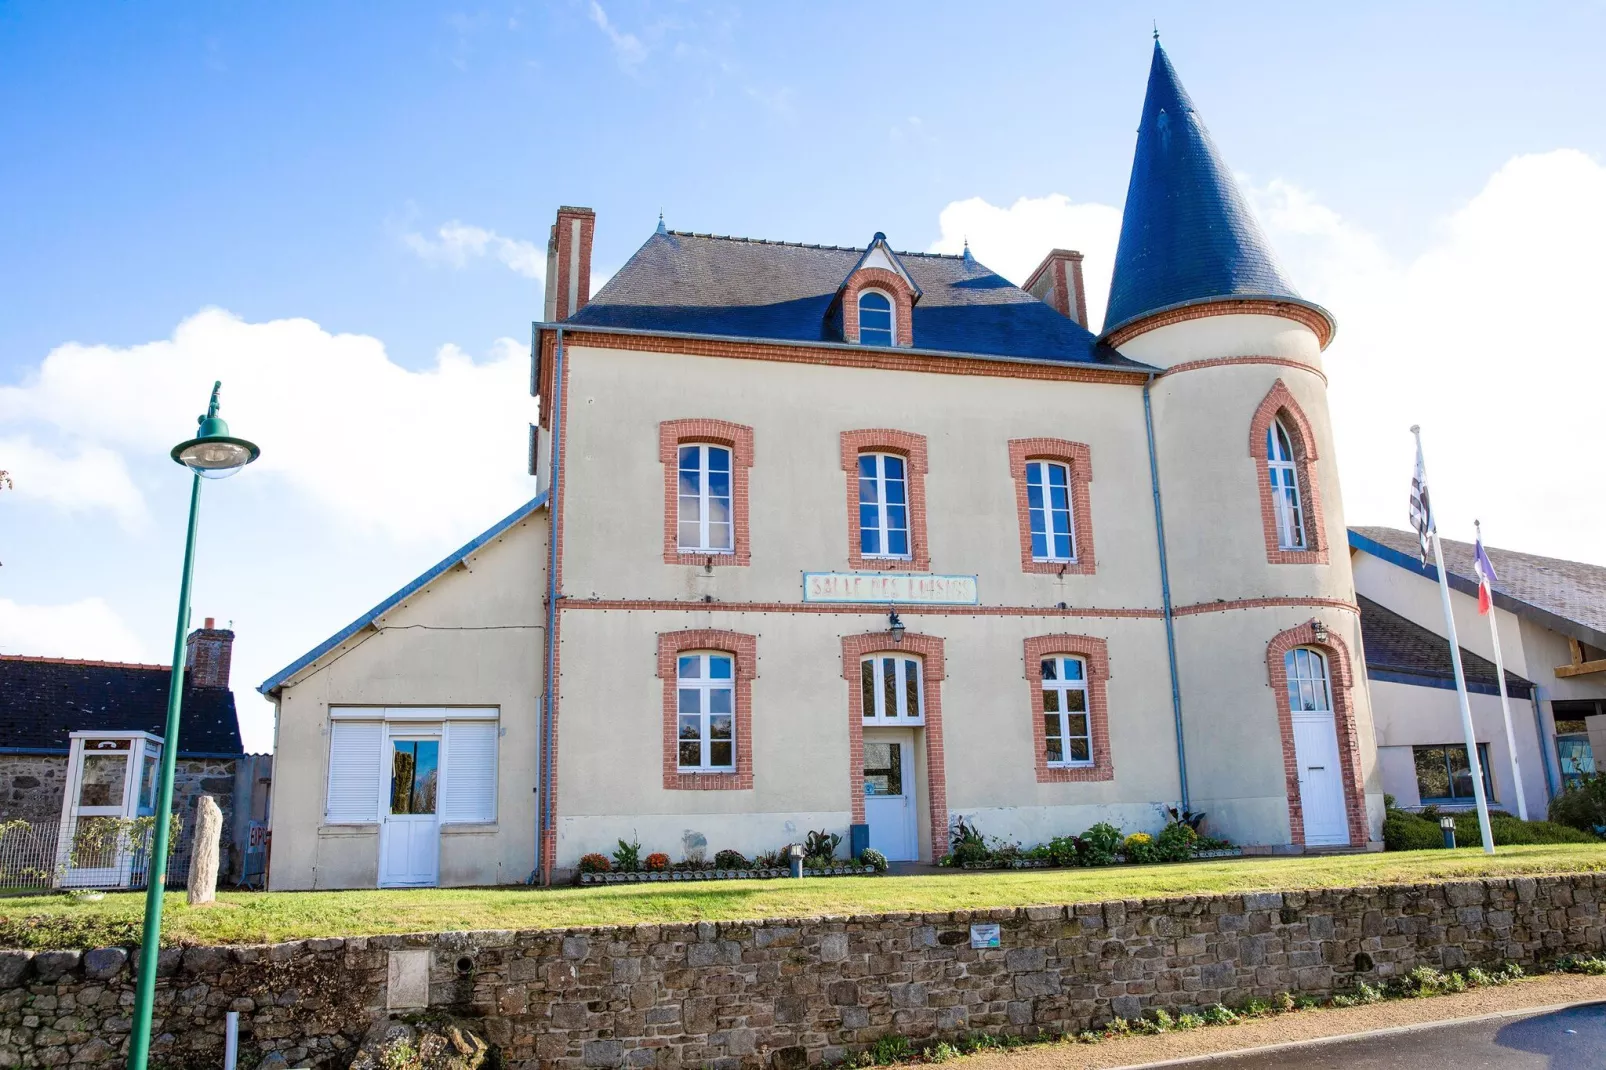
x: 1579, y: 668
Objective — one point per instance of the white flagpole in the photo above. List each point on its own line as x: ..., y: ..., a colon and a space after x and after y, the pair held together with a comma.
x: 1475, y: 766
x: 1505, y: 703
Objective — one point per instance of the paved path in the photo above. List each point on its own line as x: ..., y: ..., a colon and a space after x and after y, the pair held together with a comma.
x: 1570, y: 1039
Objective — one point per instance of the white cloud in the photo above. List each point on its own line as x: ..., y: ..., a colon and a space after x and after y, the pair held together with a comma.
x: 456, y: 243
x: 1486, y: 339
x: 427, y: 454
x: 627, y: 47
x: 1012, y: 241
x: 93, y: 478
x: 85, y: 629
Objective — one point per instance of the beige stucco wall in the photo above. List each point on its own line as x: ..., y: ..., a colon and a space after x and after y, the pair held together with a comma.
x: 1408, y: 715
x: 473, y: 637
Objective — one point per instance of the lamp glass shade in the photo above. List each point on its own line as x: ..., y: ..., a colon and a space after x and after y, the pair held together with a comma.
x: 215, y: 457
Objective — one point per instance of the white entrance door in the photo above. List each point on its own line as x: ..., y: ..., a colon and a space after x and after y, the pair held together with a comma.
x: 409, y: 841
x: 889, y: 794
x: 1321, y: 780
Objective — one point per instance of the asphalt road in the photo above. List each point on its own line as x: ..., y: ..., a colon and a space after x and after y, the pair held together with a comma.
x: 1570, y: 1039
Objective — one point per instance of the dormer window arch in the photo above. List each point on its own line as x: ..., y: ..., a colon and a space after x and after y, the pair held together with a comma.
x: 878, y: 318
x: 877, y: 299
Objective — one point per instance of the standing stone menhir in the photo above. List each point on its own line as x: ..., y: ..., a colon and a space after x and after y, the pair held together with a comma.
x: 202, y: 884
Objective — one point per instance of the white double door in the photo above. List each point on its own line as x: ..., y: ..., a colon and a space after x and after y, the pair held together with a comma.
x: 890, y: 802
x: 1321, y: 779
x: 410, y: 831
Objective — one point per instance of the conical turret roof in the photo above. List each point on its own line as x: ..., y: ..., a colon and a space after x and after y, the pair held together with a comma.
x: 1187, y: 236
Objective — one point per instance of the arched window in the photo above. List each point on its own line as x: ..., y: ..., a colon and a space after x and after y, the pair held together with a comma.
x: 883, y: 506
x: 1284, y: 476
x: 705, y: 690
x: 1067, y: 734
x: 1309, y: 689
x: 705, y: 499
x: 876, y: 327
x: 890, y: 685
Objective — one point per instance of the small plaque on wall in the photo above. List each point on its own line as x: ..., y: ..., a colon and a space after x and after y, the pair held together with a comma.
x: 984, y: 935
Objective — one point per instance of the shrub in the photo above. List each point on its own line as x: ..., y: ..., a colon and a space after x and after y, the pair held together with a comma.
x: 1163, y: 1021
x: 595, y: 863
x: 874, y: 859
x: 728, y: 859
x: 1511, y: 830
x: 656, y: 862
x: 1189, y: 1021
x: 1579, y: 964
x: 627, y: 859
x: 1139, y: 848
x: 1063, y: 850
x: 1405, y: 831
x: 1098, y: 845
x: 1175, y: 843
x: 1219, y: 1015
x: 1583, y: 805
x: 967, y: 845
x: 1283, y: 1001
x: 821, y: 844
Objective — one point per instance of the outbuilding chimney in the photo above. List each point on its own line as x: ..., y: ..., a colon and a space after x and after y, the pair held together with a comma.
x: 568, y: 263
x: 1057, y: 282
x: 207, y: 653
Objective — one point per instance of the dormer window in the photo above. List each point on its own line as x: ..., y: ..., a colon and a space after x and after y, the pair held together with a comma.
x: 875, y: 319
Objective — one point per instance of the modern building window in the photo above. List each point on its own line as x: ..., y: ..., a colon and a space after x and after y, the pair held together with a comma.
x: 1048, y: 496
x: 1067, y: 730
x: 706, y: 690
x: 1575, y: 757
x: 705, y: 517
x: 883, y: 506
x: 1443, y: 775
x: 875, y: 319
x: 1280, y: 469
x: 892, y: 691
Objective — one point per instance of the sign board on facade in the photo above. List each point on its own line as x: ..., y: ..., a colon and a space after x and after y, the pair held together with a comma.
x: 984, y: 935
x: 889, y: 588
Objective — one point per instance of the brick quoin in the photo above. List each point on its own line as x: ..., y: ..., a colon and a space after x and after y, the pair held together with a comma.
x: 1095, y: 655
x: 1280, y: 404
x: 1349, y: 742
x: 929, y: 648
x: 1227, y: 306
x: 1077, y: 457
x: 872, y: 278
x: 912, y: 448
x: 743, y: 651
x: 555, y: 510
x: 738, y: 438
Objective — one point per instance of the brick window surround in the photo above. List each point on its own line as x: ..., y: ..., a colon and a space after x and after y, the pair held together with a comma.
x: 903, y: 303
x: 912, y: 448
x: 743, y: 651
x: 1078, y: 458
x: 1279, y: 404
x: 929, y: 648
x: 1341, y: 679
x: 1095, y: 655
x: 738, y: 438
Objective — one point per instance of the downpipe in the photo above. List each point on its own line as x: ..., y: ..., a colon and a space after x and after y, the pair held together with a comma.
x: 1165, y: 598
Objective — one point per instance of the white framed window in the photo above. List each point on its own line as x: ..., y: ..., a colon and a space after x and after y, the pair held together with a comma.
x: 362, y: 761
x: 355, y: 757
x: 468, y: 788
x: 705, y: 688
x: 891, y: 686
x: 883, y: 506
x: 876, y: 319
x: 1048, y: 501
x: 705, y: 518
x: 1284, y: 488
x: 1067, y: 729
x: 1309, y: 690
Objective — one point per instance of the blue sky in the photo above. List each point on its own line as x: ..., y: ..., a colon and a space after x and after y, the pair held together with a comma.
x: 360, y: 194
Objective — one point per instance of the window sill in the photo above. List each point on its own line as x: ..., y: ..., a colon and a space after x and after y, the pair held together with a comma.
x: 475, y: 828
x: 1071, y: 765
x: 368, y: 829
x: 715, y: 558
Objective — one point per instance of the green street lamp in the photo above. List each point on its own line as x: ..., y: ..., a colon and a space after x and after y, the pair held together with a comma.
x: 212, y: 454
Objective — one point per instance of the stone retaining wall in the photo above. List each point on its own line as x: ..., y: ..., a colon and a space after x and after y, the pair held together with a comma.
x: 783, y: 993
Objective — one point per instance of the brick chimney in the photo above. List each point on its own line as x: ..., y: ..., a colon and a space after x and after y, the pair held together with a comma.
x: 207, y: 653
x: 568, y: 263
x: 1057, y: 282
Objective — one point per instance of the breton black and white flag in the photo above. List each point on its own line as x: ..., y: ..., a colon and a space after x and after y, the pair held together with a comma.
x: 1421, y: 511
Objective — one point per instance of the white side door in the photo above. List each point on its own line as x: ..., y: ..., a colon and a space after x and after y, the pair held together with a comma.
x: 409, y: 835
x: 1321, y: 781
x: 889, y: 795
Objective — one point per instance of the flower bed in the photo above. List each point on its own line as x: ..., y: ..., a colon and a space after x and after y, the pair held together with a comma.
x: 846, y: 869
x: 1120, y: 860
x: 817, y: 851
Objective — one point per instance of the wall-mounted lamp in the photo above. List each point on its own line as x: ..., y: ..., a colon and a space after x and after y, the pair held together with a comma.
x: 1318, y: 631
x: 895, y: 626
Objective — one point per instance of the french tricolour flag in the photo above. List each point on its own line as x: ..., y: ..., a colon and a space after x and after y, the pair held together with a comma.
x: 1486, y: 577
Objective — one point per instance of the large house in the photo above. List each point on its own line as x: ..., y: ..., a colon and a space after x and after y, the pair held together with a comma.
x: 863, y: 540
x: 1551, y: 615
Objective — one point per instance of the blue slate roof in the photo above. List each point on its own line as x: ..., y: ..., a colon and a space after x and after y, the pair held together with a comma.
x: 280, y: 678
x: 1187, y: 237
x: 705, y: 284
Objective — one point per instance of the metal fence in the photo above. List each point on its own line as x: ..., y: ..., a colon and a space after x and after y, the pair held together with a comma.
x: 97, y: 852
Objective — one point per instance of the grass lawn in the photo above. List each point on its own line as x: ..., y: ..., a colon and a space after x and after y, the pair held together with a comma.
x: 262, y: 917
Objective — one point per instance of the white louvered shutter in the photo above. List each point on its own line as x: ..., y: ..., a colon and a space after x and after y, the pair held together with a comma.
x: 469, y: 794
x: 354, y: 787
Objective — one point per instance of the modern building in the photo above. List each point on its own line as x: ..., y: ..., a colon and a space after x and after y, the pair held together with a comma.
x: 863, y: 540
x: 1551, y: 616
